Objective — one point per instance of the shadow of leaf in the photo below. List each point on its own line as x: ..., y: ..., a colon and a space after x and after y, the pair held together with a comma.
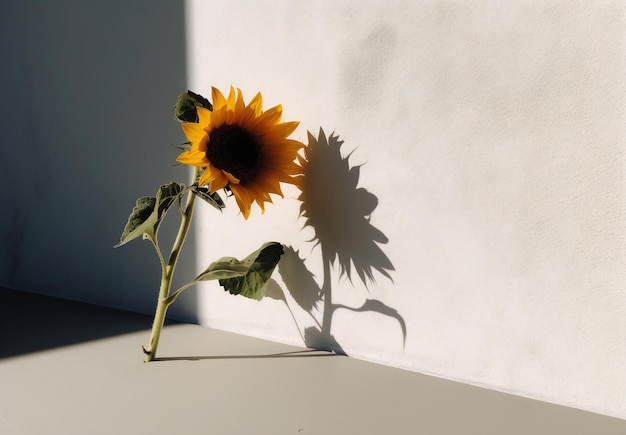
x: 299, y: 280
x: 379, y: 307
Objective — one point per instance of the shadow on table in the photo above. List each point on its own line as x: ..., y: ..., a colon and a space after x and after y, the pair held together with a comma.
x: 32, y: 323
x: 309, y: 353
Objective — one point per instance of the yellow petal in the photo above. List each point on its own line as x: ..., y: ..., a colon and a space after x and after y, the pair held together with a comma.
x: 218, y: 99
x: 230, y: 101
x: 270, y: 117
x: 205, y: 178
x: 204, y: 116
x: 242, y: 199
x: 231, y: 178
x: 239, y: 109
x: 278, y: 132
x: 194, y: 132
x: 219, y: 181
x: 246, y: 118
x: 220, y: 117
x: 256, y: 104
x: 193, y: 158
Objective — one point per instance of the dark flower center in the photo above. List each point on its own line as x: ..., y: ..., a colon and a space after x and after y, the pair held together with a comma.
x: 234, y: 149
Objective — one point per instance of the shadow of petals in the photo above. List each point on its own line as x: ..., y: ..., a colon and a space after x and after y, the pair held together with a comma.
x: 339, y: 211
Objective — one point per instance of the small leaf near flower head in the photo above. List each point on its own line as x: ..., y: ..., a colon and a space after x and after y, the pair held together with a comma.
x: 248, y: 277
x: 185, y: 109
x: 149, y: 212
x: 212, y: 198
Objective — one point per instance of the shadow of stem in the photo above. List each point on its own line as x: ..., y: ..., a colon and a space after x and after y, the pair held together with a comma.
x: 312, y: 353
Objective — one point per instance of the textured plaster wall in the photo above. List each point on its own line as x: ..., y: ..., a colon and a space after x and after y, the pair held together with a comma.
x: 491, y: 139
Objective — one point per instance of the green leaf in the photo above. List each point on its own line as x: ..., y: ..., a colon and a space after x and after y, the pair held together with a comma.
x: 212, y: 198
x: 248, y: 277
x: 149, y: 212
x: 225, y: 267
x: 185, y: 109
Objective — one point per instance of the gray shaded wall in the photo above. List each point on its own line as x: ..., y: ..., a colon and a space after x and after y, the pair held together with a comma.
x: 87, y: 90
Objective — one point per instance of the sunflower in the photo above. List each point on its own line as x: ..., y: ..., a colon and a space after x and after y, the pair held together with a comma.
x: 242, y: 148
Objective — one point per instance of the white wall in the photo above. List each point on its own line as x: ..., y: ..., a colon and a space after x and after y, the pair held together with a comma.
x: 492, y: 135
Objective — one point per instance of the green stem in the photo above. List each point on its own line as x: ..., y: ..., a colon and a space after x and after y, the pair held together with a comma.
x: 155, y: 243
x: 166, y: 277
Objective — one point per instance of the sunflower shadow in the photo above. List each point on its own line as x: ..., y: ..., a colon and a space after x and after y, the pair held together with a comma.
x: 339, y: 213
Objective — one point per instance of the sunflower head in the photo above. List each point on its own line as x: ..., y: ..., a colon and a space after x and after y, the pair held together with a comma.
x: 242, y: 147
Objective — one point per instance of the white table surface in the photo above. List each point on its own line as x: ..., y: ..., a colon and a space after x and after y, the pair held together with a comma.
x: 71, y: 368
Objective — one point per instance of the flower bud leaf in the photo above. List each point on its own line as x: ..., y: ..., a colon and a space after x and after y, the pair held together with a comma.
x: 185, y: 109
